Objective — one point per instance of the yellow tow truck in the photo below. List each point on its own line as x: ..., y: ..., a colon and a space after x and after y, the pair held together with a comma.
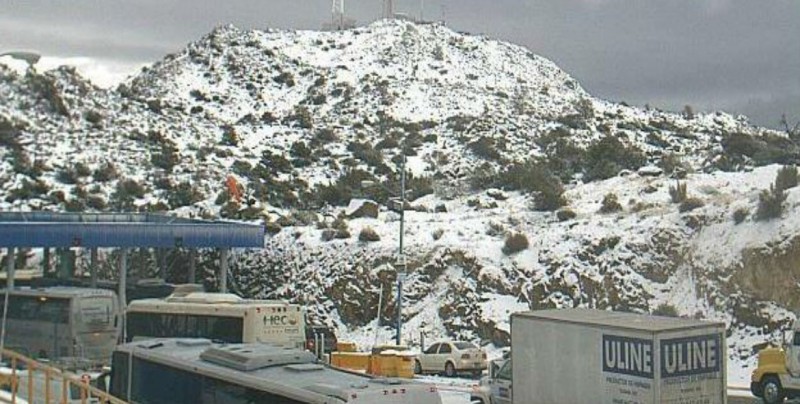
x: 777, y: 376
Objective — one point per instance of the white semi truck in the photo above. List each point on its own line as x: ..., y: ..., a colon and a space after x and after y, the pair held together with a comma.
x: 594, y: 356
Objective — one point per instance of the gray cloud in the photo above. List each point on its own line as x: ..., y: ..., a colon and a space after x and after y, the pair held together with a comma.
x: 738, y: 55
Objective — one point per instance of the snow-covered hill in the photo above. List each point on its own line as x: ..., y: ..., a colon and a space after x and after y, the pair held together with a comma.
x: 301, y: 119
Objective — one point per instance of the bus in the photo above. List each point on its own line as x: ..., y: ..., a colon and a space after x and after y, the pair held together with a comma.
x: 62, y: 322
x: 198, y: 371
x: 221, y: 317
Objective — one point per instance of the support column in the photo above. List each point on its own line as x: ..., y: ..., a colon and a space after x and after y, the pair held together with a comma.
x: 123, y: 274
x: 223, y: 269
x: 46, y: 261
x: 192, y: 265
x: 93, y: 267
x: 10, y: 268
x: 161, y: 253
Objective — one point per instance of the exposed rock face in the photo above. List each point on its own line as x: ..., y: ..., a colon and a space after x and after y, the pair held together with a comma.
x: 772, y: 272
x: 362, y: 208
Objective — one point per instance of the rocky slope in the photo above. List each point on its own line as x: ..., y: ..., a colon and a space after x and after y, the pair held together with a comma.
x: 497, y: 140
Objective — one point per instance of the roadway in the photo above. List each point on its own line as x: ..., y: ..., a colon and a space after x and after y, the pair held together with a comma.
x: 458, y: 393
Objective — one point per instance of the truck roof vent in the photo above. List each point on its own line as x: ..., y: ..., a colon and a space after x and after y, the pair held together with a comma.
x: 206, y: 298
x: 192, y: 342
x: 247, y: 357
x: 186, y: 288
x: 150, y: 344
x: 305, y: 367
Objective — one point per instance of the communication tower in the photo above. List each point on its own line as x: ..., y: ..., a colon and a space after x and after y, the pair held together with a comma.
x: 388, y: 8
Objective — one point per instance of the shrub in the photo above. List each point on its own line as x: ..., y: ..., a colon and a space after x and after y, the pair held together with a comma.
x: 28, y: 190
x: 770, y: 203
x: 437, y: 234
x: 366, y: 153
x: 82, y: 170
x: 610, y: 204
x: 127, y: 191
x: 368, y: 234
x: 387, y: 143
x: 565, y: 214
x: 678, y: 192
x: 167, y: 157
x: 74, y: 205
x: 515, y: 243
x: 585, y: 108
x: 302, y: 116
x: 285, y: 78
x: 184, y: 194
x: 67, y: 176
x: 300, y: 150
x: 495, y: 229
x: 96, y: 202
x: 485, y: 148
x: 608, y: 156
x: 347, y: 185
x: 342, y: 230
x: 533, y: 177
x: 786, y: 178
x: 672, y: 163
x: 273, y: 164
x: 325, y: 135
x: 272, y: 227
x: 229, y: 136
x: 690, y: 204
x: 740, y: 214
x: 666, y: 310
x: 327, y: 235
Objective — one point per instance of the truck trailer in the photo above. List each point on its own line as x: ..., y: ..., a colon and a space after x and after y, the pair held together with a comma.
x: 596, y: 356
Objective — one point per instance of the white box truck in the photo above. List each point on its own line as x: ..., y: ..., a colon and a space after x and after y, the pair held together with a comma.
x: 594, y: 356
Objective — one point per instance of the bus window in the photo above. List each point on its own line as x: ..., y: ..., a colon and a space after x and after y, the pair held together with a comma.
x: 31, y: 308
x: 119, y: 375
x: 96, y: 313
x: 226, y: 329
x: 159, y: 384
x: 154, y: 325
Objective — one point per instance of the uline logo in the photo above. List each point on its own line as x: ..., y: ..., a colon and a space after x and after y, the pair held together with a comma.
x: 690, y: 356
x: 628, y: 356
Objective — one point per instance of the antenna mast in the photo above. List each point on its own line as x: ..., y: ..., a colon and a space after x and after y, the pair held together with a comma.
x: 388, y: 9
x: 337, y: 14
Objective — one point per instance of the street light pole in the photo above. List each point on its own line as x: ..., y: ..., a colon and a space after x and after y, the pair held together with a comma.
x: 401, y: 265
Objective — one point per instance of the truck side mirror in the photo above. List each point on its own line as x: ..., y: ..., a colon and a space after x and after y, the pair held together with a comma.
x: 493, y: 368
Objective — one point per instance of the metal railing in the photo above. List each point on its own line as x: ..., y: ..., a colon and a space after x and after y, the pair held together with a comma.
x: 12, y: 381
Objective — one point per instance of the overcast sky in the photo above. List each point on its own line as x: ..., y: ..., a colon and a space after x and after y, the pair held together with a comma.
x: 741, y: 56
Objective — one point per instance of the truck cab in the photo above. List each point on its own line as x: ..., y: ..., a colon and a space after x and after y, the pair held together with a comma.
x: 496, y: 387
x: 777, y: 376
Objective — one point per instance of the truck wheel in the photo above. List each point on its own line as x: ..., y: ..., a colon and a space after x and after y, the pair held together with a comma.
x: 417, y: 368
x: 449, y: 369
x: 772, y: 391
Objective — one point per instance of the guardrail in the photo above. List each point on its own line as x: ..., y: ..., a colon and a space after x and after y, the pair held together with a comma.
x: 12, y: 380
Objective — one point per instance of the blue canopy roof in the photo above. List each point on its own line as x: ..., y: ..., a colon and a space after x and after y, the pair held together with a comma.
x: 47, y: 229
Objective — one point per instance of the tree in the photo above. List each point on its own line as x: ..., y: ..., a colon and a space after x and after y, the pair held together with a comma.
x: 792, y: 131
x: 688, y: 112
